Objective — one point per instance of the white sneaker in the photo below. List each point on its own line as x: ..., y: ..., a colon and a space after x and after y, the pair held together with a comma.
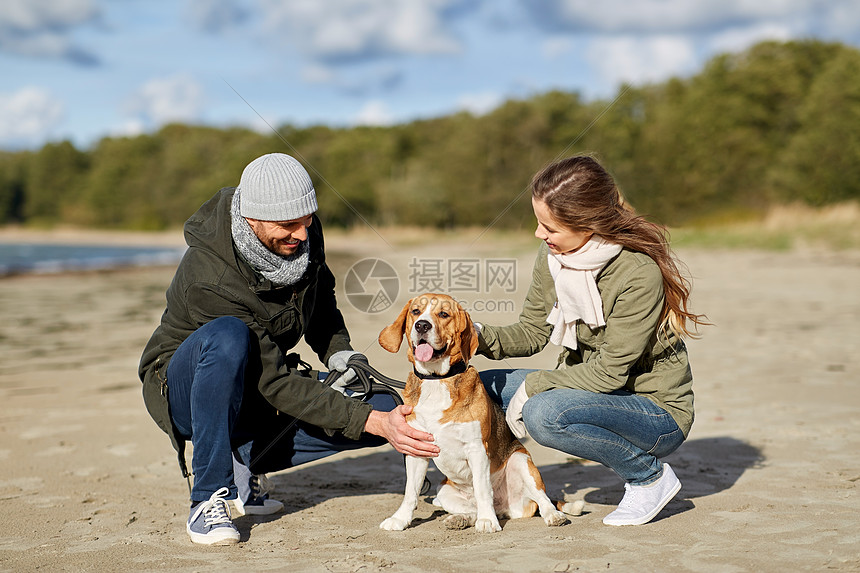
x: 642, y: 503
x: 252, y: 498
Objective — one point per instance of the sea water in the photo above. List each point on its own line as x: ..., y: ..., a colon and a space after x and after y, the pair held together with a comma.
x: 21, y: 258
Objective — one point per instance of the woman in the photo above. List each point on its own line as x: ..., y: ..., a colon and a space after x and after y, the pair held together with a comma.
x: 605, y: 287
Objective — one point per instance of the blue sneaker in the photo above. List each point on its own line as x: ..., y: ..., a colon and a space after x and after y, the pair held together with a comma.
x: 252, y: 499
x: 209, y: 521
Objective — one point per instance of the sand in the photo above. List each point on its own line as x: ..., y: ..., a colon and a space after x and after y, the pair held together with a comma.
x: 770, y: 471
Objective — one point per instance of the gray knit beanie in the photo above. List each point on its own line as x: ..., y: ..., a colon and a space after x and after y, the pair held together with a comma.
x: 275, y: 187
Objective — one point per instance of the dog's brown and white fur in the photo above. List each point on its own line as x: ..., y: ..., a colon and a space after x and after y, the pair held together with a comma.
x: 488, y: 471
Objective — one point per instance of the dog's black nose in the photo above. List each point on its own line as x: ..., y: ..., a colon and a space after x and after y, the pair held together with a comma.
x: 422, y: 326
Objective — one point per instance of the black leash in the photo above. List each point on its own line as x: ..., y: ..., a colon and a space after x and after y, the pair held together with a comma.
x: 368, y: 380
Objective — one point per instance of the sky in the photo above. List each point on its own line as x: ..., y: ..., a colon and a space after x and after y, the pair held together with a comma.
x: 86, y: 69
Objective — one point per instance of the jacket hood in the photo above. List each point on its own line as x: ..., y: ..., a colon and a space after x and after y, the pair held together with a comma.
x: 209, y: 227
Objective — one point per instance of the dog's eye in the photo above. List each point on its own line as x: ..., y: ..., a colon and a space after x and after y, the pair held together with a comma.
x: 444, y: 314
x: 416, y: 311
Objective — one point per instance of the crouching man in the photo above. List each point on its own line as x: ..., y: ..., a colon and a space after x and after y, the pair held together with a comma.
x: 217, y: 370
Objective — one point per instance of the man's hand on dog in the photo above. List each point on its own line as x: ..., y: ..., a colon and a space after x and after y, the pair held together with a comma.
x: 407, y: 440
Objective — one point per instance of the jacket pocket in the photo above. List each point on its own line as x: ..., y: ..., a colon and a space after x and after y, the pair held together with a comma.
x: 589, y: 337
x: 155, y: 398
x: 284, y: 320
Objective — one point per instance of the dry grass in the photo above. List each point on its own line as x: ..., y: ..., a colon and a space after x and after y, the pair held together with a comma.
x: 786, y: 227
x: 783, y: 228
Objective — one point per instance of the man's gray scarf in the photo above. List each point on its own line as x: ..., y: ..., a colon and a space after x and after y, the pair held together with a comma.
x: 282, y: 271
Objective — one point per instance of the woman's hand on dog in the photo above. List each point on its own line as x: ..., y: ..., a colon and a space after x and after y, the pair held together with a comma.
x: 407, y: 440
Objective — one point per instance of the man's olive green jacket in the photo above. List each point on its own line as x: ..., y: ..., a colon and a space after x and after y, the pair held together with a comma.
x: 213, y: 280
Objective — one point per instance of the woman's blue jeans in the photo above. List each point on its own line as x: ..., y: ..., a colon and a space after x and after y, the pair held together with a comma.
x: 626, y: 432
x: 211, y: 406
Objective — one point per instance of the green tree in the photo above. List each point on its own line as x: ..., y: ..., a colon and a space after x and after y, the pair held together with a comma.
x: 711, y: 138
x: 778, y: 122
x: 821, y: 164
x: 117, y: 193
x: 12, y: 186
x: 54, y: 177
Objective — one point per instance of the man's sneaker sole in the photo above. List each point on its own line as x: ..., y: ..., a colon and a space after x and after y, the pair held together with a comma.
x: 218, y: 536
x: 269, y: 507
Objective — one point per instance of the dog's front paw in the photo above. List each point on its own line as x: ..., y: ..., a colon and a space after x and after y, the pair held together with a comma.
x: 555, y: 518
x: 459, y: 521
x: 485, y: 525
x: 393, y: 524
x: 571, y: 507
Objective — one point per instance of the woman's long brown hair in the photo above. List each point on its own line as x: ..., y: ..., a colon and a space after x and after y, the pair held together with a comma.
x: 583, y: 196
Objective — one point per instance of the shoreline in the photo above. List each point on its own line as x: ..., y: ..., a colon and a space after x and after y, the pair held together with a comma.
x: 19, y: 235
x: 394, y: 238
x: 59, y: 253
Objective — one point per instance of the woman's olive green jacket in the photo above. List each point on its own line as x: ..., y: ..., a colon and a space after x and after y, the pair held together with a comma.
x: 626, y: 354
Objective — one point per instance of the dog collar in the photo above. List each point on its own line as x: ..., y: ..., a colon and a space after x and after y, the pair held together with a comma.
x: 456, y: 369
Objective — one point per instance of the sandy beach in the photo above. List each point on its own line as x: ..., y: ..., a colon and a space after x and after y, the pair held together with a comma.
x: 770, y: 472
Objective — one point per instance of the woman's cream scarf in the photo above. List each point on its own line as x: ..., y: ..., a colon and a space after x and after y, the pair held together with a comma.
x: 575, y: 277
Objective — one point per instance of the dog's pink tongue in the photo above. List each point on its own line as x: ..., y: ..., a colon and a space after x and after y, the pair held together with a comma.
x: 423, y: 352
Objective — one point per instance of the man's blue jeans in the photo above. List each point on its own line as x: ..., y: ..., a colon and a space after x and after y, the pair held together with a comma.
x: 625, y: 432
x: 211, y: 406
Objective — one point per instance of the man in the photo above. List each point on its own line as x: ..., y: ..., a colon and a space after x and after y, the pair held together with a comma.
x: 252, y: 283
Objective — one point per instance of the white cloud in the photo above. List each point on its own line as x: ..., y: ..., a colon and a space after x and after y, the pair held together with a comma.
x: 662, y: 16
x: 260, y: 125
x: 35, y: 15
x: 374, y: 112
x: 42, y: 27
x: 841, y: 19
x: 216, y: 15
x: 129, y: 128
x: 739, y: 39
x: 479, y: 103
x: 318, y: 74
x: 357, y: 81
x: 28, y: 116
x: 556, y: 46
x: 651, y: 40
x: 176, y: 98
x: 338, y: 30
x: 636, y: 60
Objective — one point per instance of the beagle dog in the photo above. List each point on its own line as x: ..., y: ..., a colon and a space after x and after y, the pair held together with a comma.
x: 488, y: 471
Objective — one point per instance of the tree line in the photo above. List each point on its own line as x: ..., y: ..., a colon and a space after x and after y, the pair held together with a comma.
x: 777, y: 123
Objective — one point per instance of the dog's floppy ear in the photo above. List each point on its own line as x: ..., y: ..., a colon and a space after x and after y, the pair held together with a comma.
x: 468, y: 336
x: 392, y: 335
